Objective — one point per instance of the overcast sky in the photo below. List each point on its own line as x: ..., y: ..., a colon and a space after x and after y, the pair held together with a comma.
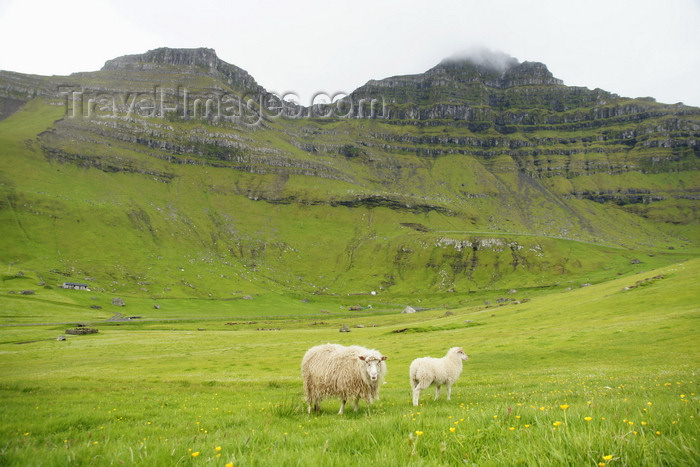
x: 633, y: 48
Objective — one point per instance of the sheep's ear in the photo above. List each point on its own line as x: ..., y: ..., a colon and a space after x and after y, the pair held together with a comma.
x: 362, y: 357
x: 384, y: 357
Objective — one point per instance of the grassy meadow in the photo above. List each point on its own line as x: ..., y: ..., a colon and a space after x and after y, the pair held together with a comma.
x: 605, y: 374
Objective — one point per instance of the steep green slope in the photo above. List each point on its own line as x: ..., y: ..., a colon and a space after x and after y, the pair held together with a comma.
x: 123, y: 179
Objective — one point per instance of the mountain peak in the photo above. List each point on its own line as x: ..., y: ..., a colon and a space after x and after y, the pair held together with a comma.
x: 484, y: 59
x: 194, y: 60
x: 201, y: 56
x: 495, y: 69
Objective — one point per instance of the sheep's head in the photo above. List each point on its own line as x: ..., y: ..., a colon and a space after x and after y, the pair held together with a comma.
x: 372, y: 363
x: 459, y: 352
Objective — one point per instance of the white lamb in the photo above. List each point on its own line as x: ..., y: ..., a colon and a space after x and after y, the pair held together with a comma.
x: 438, y: 371
x: 333, y: 370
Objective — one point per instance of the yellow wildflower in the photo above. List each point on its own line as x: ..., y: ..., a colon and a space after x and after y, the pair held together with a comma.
x: 588, y: 419
x: 564, y: 406
x: 195, y: 454
x: 608, y: 457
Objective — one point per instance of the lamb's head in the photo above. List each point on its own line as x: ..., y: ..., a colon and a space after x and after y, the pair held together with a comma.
x: 373, y: 363
x: 457, y: 352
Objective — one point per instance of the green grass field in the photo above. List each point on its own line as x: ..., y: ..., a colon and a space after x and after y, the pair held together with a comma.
x: 600, y: 375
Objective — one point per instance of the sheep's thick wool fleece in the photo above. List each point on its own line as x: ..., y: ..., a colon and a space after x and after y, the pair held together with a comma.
x: 336, y: 370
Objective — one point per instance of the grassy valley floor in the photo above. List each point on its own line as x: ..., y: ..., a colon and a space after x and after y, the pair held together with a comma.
x: 600, y: 375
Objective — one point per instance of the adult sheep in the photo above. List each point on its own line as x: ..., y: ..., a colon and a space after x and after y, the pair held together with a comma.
x: 334, y: 370
x: 438, y: 371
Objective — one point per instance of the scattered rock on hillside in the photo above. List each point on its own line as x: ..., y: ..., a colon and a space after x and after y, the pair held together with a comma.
x: 409, y: 309
x: 344, y: 328
x: 117, y: 317
x: 117, y: 301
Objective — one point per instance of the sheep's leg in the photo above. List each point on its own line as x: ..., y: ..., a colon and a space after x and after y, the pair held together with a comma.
x: 416, y: 396
x: 314, y: 405
x: 356, y: 407
x: 437, y: 392
x: 342, y: 406
x: 449, y: 391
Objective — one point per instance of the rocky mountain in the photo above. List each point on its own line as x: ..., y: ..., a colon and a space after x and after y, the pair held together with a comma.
x: 480, y: 172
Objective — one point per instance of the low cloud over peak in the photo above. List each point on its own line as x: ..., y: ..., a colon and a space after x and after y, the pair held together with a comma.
x: 485, y: 57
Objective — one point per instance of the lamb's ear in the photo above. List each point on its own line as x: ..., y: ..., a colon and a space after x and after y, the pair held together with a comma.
x: 384, y: 357
x: 362, y: 357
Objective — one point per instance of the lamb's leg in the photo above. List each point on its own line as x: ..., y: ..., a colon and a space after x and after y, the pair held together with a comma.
x: 356, y: 407
x: 449, y: 391
x: 416, y: 396
x: 437, y: 392
x: 342, y: 406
